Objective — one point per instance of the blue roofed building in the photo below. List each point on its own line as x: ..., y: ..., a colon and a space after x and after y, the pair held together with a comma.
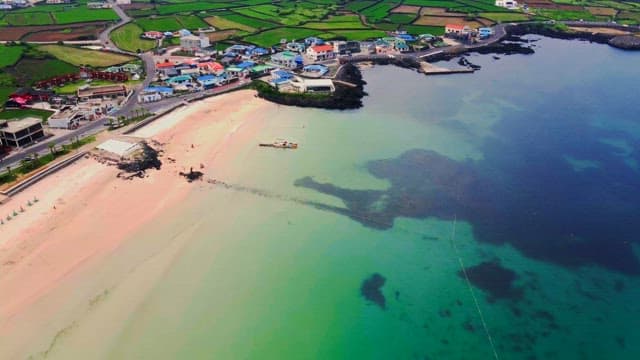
x: 315, y: 70
x: 287, y: 59
x: 296, y: 47
x: 259, y: 52
x: 406, y: 37
x: 280, y: 77
x: 209, y: 81
x: 180, y: 79
x: 184, y: 32
x: 312, y: 41
x: 485, y: 32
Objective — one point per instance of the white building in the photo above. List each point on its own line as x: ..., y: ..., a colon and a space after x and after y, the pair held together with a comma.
x: 509, y: 4
x: 123, y: 2
x: 321, y: 52
x: 194, y: 43
x: 312, y: 85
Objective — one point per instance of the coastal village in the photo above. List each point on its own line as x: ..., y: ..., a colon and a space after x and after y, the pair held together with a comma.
x: 195, y: 67
x: 186, y: 65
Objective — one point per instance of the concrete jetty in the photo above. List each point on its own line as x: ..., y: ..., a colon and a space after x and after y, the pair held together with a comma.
x: 430, y: 69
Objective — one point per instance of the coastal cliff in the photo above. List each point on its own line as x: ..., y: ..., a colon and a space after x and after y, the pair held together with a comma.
x: 344, y: 97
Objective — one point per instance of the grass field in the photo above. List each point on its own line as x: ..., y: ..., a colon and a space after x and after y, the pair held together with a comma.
x: 34, y: 18
x: 433, y: 3
x: 221, y: 23
x: 9, y: 55
x: 23, y: 113
x: 356, y: 6
x: 78, y: 56
x: 273, y: 37
x: 168, y: 23
x: 191, y: 22
x: 127, y: 38
x: 419, y: 29
x: 84, y: 15
x: 565, y: 14
x: 359, y: 35
x: 505, y: 16
x: 401, y: 18
x: 28, y: 70
x: 191, y: 7
x: 254, y: 23
x: 335, y: 25
x: 377, y: 12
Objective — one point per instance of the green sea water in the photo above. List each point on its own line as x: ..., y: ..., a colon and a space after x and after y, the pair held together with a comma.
x: 262, y: 273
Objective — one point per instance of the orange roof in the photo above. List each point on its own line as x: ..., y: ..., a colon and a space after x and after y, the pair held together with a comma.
x: 320, y: 48
x: 211, y: 65
x: 164, y: 65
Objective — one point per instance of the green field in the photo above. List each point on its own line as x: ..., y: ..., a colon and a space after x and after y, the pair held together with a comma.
x: 221, y: 23
x: 28, y: 71
x: 34, y: 18
x: 422, y: 29
x: 191, y: 7
x: 23, y: 113
x: 79, y: 57
x: 377, y: 12
x: 565, y: 14
x: 335, y: 25
x: 433, y: 3
x: 9, y: 55
x: 273, y: 37
x: 128, y: 38
x: 191, y: 22
x: 84, y: 15
x: 254, y: 23
x: 359, y: 35
x: 168, y: 23
x: 356, y: 6
x: 505, y: 16
x: 401, y: 18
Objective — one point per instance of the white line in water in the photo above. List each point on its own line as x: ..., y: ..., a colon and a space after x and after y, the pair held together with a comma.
x: 473, y: 295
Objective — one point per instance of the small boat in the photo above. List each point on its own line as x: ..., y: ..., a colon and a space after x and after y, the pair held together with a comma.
x: 281, y: 144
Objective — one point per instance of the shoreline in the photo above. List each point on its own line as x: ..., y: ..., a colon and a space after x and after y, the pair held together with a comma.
x: 84, y: 213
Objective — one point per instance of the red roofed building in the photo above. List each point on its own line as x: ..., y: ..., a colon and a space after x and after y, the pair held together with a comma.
x: 211, y: 67
x: 454, y: 29
x: 321, y: 52
x: 155, y: 35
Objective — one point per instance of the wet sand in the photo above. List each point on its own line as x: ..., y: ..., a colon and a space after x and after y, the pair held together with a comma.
x: 83, y: 213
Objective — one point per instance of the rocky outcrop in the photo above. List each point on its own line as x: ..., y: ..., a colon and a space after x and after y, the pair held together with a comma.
x: 626, y: 42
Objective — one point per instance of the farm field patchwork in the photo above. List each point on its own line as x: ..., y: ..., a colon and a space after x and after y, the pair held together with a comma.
x: 254, y: 23
x: 221, y: 23
x: 77, y: 56
x: 335, y: 25
x: 77, y: 15
x: 273, y: 36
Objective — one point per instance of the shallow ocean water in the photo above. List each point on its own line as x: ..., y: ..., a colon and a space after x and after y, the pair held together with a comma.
x: 523, y: 174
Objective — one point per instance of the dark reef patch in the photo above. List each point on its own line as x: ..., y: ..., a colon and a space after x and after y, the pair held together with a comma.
x: 523, y: 192
x: 371, y: 289
x: 496, y: 280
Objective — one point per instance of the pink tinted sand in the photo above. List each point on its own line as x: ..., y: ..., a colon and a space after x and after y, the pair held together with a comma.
x: 84, y: 212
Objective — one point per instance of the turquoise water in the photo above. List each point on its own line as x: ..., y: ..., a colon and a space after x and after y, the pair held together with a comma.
x: 524, y: 174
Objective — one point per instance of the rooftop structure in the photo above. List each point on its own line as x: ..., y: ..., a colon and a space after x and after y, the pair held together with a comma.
x: 111, y: 91
x: 287, y: 59
x: 118, y: 147
x: 313, y: 85
x: 315, y: 70
x: 20, y: 133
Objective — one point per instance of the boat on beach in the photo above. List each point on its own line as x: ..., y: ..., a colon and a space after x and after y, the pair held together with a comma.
x: 280, y: 144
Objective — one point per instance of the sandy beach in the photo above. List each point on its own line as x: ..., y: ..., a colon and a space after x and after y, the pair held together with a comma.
x: 72, y: 221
